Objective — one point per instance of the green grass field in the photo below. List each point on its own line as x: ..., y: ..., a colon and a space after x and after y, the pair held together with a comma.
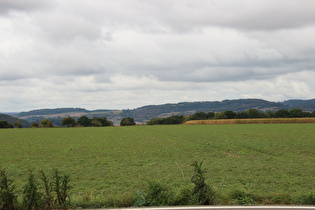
x: 265, y: 159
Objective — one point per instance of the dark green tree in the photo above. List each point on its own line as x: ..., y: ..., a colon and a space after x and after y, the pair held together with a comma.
x: 297, y: 112
x: 230, y: 114
x: 5, y: 124
x: 242, y: 115
x: 68, y: 121
x: 127, y: 121
x: 282, y: 113
x: 253, y: 113
x: 103, y: 121
x: 220, y: 115
x: 210, y: 115
x: 154, y: 121
x: 198, y: 116
x: 84, y: 121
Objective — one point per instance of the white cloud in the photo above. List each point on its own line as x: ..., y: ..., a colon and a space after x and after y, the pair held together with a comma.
x: 152, y: 52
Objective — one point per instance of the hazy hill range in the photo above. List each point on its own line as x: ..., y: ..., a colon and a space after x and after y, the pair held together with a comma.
x: 12, y: 120
x: 145, y: 113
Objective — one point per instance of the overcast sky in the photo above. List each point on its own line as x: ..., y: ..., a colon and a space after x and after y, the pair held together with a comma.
x: 119, y: 54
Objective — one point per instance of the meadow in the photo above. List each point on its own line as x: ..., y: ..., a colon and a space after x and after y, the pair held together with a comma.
x: 115, y: 162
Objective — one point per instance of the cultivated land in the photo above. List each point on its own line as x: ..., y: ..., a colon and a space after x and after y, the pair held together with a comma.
x: 264, y: 159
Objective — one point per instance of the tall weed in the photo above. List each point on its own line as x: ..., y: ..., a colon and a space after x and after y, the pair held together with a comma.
x: 61, y: 186
x: 154, y: 195
x: 47, y: 187
x: 8, y: 199
x: 201, y: 192
x: 240, y: 197
x: 31, y: 195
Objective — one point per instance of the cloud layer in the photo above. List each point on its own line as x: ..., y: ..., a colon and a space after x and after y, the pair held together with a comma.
x: 125, y: 54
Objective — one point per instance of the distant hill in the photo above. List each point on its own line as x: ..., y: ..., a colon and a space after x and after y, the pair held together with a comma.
x: 188, y: 108
x: 41, y: 112
x: 305, y: 105
x: 145, y: 113
x: 12, y: 120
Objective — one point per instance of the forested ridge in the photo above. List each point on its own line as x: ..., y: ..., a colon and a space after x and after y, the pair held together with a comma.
x: 145, y: 113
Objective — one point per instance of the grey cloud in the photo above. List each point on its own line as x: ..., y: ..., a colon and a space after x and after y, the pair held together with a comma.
x: 187, y: 15
x: 154, y: 51
x: 7, y: 6
x: 61, y: 28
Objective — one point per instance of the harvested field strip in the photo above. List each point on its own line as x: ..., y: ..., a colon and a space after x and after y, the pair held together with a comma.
x: 251, y: 121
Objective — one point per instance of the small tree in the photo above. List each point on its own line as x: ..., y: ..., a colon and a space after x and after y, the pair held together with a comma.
x: 198, y: 116
x: 127, y: 121
x: 253, y: 113
x: 18, y: 124
x: 297, y: 112
x: 96, y: 123
x: 68, y: 121
x: 154, y: 121
x: 34, y: 125
x: 220, y: 115
x: 5, y: 124
x: 230, y: 114
x: 84, y: 121
x: 210, y: 115
x: 103, y: 120
x: 46, y: 123
x: 282, y: 113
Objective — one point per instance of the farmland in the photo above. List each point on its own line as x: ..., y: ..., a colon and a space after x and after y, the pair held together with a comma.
x: 264, y: 159
x: 251, y: 121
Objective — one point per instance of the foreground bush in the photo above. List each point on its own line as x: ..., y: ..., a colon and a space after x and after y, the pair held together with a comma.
x: 51, y: 193
x: 8, y: 198
x: 154, y: 195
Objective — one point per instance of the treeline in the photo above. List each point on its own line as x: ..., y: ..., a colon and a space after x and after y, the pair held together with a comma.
x: 251, y: 113
x: 6, y: 124
x: 71, y: 122
x: 84, y: 121
x: 43, y: 192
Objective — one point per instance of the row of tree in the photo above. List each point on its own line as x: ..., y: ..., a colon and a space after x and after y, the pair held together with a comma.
x: 84, y: 121
x: 251, y: 113
x: 176, y: 119
x: 5, y: 124
x: 71, y: 122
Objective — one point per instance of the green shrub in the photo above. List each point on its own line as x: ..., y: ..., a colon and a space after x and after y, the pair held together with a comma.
x: 308, y: 200
x: 241, y: 198
x: 154, y: 195
x: 202, y: 193
x: 281, y: 199
x: 184, y: 198
x: 8, y: 199
x: 47, y: 188
x: 31, y: 195
x: 61, y: 186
